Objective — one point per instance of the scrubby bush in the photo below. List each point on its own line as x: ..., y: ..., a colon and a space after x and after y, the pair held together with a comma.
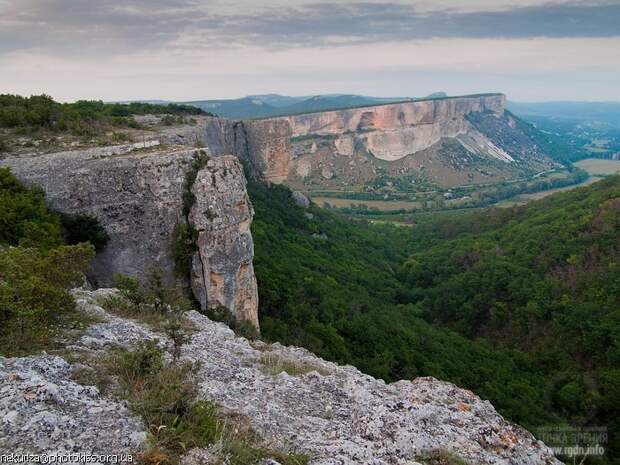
x: 24, y: 216
x: 162, y: 394
x: 36, y: 268
x: 34, y: 293
x: 83, y: 228
x: 241, y: 328
x: 184, y: 247
x: 152, y: 301
x: 84, y: 117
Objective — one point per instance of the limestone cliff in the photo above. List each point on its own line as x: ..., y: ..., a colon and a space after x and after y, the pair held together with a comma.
x: 447, y: 141
x: 222, y: 271
x: 138, y: 199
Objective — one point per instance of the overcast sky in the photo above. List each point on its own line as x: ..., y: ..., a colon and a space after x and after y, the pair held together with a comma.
x: 533, y: 50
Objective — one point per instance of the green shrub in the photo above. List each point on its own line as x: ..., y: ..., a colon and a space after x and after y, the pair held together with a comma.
x: 185, y: 235
x: 184, y: 247
x: 83, y: 228
x: 129, y: 288
x: 154, y: 303
x: 440, y: 457
x: 34, y: 294
x: 241, y: 328
x: 24, y: 216
x: 274, y: 364
x: 84, y: 118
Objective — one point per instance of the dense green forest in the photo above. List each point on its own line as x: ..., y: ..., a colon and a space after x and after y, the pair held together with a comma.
x: 84, y: 117
x: 520, y: 305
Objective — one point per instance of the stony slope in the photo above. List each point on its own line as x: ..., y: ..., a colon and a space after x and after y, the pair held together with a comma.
x: 335, y: 414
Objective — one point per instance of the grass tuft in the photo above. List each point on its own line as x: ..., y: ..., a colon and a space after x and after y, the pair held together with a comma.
x: 163, y: 395
x: 440, y: 457
x: 274, y: 364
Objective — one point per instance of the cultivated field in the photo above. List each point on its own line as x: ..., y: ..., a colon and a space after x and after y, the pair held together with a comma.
x: 599, y: 167
x: 383, y: 205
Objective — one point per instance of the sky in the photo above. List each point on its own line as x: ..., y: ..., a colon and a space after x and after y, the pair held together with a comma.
x: 532, y: 50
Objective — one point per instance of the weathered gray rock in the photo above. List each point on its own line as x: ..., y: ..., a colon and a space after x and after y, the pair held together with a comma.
x: 43, y: 411
x: 222, y: 270
x: 334, y: 414
x: 300, y: 199
x: 138, y: 199
x: 112, y: 332
x: 338, y: 415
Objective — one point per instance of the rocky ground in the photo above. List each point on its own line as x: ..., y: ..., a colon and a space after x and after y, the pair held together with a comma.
x: 334, y: 414
x: 151, y: 131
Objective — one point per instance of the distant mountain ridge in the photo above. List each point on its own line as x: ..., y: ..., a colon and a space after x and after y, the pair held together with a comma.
x: 261, y: 106
x: 603, y: 112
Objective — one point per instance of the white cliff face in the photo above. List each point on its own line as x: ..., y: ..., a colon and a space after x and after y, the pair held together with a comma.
x: 390, y: 132
x: 445, y: 114
x: 334, y: 414
x: 446, y: 141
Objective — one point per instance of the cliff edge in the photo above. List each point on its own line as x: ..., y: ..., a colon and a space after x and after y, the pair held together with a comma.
x: 292, y: 399
x: 138, y: 198
x: 447, y: 141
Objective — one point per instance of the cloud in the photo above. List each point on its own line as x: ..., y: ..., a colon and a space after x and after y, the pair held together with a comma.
x: 112, y: 27
x: 191, y: 49
x: 527, y: 69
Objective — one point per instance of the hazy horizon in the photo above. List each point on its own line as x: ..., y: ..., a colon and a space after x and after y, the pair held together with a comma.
x: 365, y: 95
x: 182, y: 50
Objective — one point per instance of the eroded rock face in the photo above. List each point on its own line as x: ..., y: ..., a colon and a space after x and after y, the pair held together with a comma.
x: 222, y: 272
x: 448, y: 142
x: 264, y: 144
x: 43, y: 411
x: 388, y: 132
x: 138, y: 199
x: 451, y: 141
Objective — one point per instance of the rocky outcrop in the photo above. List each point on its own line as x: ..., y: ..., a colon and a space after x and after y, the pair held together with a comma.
x: 388, y: 132
x: 138, y: 199
x: 264, y: 145
x: 294, y: 400
x: 222, y: 271
x: 338, y: 415
x: 269, y: 146
x: 43, y: 411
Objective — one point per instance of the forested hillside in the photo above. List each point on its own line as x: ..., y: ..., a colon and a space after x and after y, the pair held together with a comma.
x: 520, y: 305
